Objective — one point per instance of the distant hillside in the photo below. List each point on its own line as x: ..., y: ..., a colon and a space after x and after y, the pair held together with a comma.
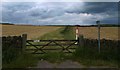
x: 6, y: 23
x: 102, y: 25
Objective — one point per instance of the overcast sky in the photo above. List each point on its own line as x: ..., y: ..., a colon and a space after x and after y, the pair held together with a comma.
x: 60, y: 13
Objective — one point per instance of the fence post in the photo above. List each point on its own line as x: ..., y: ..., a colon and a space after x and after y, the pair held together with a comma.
x: 1, y: 44
x: 81, y: 40
x: 24, y: 38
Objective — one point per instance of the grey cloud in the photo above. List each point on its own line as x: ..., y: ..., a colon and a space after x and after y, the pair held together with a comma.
x: 59, y: 13
x: 46, y: 13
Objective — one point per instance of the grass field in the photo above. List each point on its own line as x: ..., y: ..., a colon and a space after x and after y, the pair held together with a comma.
x: 37, y: 31
x: 31, y: 31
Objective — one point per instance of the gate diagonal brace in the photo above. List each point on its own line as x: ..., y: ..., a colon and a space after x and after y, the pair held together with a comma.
x: 36, y: 48
x: 69, y: 46
x: 42, y: 50
x: 32, y: 45
x: 59, y: 45
x: 35, y: 51
x: 45, y: 45
x: 63, y: 47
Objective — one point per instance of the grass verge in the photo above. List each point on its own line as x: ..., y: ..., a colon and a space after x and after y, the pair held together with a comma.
x: 23, y: 61
x: 60, y: 34
x: 91, y: 57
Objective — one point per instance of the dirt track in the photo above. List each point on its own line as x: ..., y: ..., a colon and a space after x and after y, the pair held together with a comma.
x: 65, y: 64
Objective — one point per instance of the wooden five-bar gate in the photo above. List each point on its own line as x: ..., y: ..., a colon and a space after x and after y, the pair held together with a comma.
x: 39, y: 45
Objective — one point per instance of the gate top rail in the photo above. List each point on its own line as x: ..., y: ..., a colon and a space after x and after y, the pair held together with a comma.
x: 51, y: 40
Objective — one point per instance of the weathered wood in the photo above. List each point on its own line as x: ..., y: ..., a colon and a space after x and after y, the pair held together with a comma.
x: 81, y: 41
x: 24, y: 39
x: 44, y: 53
x: 52, y: 40
x: 0, y: 52
x: 56, y: 43
x: 53, y: 44
x: 48, y: 49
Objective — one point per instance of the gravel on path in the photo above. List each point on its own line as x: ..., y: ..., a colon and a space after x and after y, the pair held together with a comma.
x: 66, y: 64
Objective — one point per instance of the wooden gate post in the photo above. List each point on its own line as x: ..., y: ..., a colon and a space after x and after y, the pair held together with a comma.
x: 81, y: 40
x: 24, y: 39
x: 1, y: 53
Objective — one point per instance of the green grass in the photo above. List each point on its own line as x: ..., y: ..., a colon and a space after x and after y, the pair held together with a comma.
x: 68, y: 33
x: 90, y: 56
x: 60, y: 34
x: 23, y: 61
x: 52, y: 35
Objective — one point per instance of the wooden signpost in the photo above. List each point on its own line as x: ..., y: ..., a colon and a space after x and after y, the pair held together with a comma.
x: 98, y: 23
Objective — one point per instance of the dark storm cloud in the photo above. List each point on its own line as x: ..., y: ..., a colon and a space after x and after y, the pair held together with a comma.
x: 99, y: 7
x: 96, y: 7
x: 60, y: 12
